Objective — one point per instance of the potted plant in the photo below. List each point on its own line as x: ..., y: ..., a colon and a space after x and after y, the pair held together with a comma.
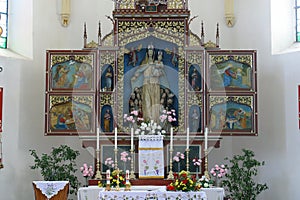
x: 59, y: 165
x: 239, y: 180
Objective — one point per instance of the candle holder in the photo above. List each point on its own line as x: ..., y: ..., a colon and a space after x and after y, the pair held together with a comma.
x: 132, y: 176
x: 98, y: 172
x: 206, y: 174
x: 107, y: 188
x: 118, y: 180
x: 187, y: 160
x: 170, y: 175
x: 116, y: 158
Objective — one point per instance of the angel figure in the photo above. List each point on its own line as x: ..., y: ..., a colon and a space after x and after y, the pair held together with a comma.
x: 133, y: 57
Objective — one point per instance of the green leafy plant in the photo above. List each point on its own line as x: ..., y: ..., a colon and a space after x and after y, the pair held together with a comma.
x: 59, y: 165
x: 240, y: 181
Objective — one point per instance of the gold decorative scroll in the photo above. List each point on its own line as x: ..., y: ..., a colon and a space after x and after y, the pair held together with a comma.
x: 246, y: 100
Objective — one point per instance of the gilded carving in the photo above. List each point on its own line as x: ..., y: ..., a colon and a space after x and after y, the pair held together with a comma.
x: 247, y: 59
x: 246, y: 100
x: 63, y: 58
x: 106, y: 99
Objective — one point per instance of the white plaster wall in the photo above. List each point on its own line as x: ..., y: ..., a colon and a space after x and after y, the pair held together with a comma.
x: 24, y: 80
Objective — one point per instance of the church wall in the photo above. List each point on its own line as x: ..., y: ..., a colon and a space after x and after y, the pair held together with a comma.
x: 24, y: 86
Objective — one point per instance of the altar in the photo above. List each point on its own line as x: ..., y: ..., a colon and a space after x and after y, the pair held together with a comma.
x: 144, y: 192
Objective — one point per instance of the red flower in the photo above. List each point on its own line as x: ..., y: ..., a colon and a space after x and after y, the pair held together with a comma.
x: 185, y: 181
x: 170, y: 188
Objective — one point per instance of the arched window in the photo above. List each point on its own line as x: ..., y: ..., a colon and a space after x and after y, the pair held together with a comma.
x: 3, y: 23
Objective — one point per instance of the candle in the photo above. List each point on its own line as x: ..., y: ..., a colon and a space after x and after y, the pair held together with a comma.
x: 229, y: 7
x: 65, y: 8
x: 205, y: 137
x: 131, y: 138
x: 108, y: 176
x: 187, y: 138
x: 127, y: 175
x: 97, y: 138
x: 116, y: 138
x: 171, y: 138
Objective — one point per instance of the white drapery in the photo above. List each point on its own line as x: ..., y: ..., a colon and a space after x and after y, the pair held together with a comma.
x: 151, y: 156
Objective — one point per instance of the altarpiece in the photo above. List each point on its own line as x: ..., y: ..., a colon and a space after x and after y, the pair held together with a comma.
x: 150, y: 62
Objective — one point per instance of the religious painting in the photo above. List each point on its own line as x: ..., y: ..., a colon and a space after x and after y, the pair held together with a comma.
x: 195, y: 115
x: 107, y: 79
x: 179, y: 159
x: 232, y: 114
x: 150, y: 74
x: 108, y: 157
x: 71, y: 70
x: 231, y: 70
x: 194, y: 78
x: 70, y: 114
x: 107, y: 118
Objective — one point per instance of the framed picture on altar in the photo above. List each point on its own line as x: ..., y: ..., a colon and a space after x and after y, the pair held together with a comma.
x: 70, y: 114
x: 71, y: 70
x: 108, y: 157
x: 231, y: 70
x: 179, y: 162
x: 232, y: 114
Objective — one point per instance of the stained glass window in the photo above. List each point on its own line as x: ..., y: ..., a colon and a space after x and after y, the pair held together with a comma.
x: 297, y: 9
x: 3, y: 23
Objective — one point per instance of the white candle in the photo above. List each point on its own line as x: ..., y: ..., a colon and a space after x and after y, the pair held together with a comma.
x: 108, y: 176
x: 98, y: 138
x: 116, y: 138
x: 205, y: 137
x: 66, y: 7
x: 171, y: 138
x: 187, y: 138
x: 131, y: 138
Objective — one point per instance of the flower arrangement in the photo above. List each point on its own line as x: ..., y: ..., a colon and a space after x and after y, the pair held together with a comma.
x: 183, y: 182
x: 204, y: 182
x: 109, y: 162
x: 218, y: 171
x: 168, y: 116
x: 177, y: 158
x: 87, y: 172
x: 124, y: 158
x: 151, y: 128
x: 197, y: 163
x: 132, y: 118
x: 114, y: 179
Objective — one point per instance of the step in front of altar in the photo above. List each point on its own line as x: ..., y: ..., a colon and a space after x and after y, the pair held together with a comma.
x: 158, y: 182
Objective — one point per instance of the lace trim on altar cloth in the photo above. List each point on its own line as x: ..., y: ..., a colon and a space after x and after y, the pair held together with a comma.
x: 50, y: 188
x: 151, y: 137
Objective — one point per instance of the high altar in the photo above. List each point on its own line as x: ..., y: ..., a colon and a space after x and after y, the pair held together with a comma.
x: 151, y: 62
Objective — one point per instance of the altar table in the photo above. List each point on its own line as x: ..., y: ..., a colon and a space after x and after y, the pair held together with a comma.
x: 97, y: 193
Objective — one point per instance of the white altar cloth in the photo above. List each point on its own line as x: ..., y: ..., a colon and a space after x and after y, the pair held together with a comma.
x: 50, y: 188
x: 92, y: 192
x: 150, y: 192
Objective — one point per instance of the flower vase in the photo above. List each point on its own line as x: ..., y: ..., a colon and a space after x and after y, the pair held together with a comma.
x: 178, y: 166
x: 218, y: 183
x: 86, y: 182
x: 197, y: 173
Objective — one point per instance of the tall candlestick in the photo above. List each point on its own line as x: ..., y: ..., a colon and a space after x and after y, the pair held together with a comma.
x: 116, y: 138
x: 98, y: 138
x: 205, y: 137
x: 187, y: 138
x: 171, y: 138
x: 131, y: 138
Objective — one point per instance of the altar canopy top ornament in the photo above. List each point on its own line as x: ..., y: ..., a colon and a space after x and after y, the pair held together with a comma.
x: 142, y: 2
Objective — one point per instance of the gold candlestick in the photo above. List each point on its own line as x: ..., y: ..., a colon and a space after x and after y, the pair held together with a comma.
x: 132, y: 176
x: 118, y: 180
x: 187, y: 160
x: 171, y: 176
x: 116, y: 158
x: 206, y: 174
x: 98, y: 173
